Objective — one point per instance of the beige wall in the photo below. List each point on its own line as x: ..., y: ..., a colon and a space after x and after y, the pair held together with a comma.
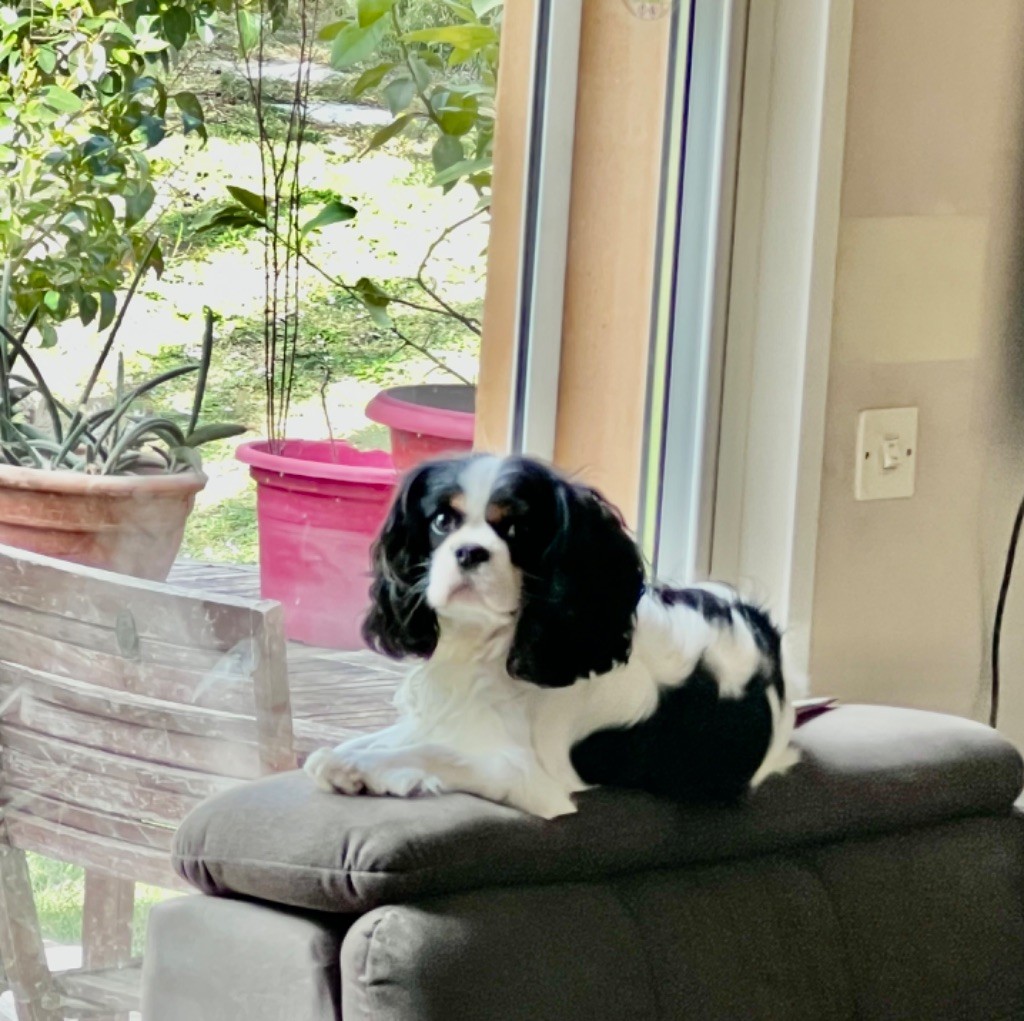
x: 929, y: 304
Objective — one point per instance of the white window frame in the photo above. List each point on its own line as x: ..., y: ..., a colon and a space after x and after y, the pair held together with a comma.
x: 687, y: 334
x: 733, y: 465
x: 547, y: 188
x: 780, y: 310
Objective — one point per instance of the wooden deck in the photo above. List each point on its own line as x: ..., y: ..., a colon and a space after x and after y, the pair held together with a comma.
x: 333, y: 693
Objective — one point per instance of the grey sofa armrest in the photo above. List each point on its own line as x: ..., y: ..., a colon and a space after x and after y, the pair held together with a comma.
x: 864, y: 770
x: 922, y: 924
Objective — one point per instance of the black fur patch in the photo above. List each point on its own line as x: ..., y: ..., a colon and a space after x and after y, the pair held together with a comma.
x: 695, y: 746
x: 712, y: 608
x: 582, y: 579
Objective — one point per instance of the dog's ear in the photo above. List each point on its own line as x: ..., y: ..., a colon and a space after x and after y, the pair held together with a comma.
x: 400, y: 623
x: 578, y: 607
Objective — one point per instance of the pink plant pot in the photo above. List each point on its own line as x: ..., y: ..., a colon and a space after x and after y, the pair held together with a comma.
x: 319, y: 505
x: 425, y: 421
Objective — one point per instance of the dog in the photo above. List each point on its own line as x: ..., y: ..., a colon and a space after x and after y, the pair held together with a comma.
x: 550, y: 664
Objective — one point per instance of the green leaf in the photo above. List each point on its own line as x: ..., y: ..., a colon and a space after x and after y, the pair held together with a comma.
x: 177, y: 26
x: 156, y: 258
x: 253, y: 202
x: 420, y: 72
x: 332, y: 30
x: 214, y: 431
x: 88, y: 306
x: 47, y: 334
x: 138, y: 203
x: 108, y: 309
x: 372, y: 10
x: 458, y: 113
x: 228, y: 215
x: 61, y: 100
x: 154, y: 130
x: 355, y: 43
x: 278, y: 12
x: 248, y: 31
x: 386, y: 133
x: 398, y: 95
x: 374, y: 300
x: 481, y: 8
x: 46, y: 59
x: 464, y: 169
x: 446, y: 153
x: 462, y: 37
x: 333, y: 212
x: 461, y: 10
x: 370, y: 79
x: 192, y: 116
x: 188, y: 456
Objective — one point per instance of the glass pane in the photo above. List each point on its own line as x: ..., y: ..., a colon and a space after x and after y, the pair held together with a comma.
x: 688, y: 340
x: 244, y: 251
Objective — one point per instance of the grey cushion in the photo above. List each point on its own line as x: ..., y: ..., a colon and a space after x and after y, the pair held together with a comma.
x: 230, y: 960
x: 865, y: 770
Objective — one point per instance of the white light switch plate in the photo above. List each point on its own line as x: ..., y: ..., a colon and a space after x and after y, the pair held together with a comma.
x: 886, y: 435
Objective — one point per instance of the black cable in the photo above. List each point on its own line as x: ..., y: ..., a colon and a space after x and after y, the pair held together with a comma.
x: 997, y: 627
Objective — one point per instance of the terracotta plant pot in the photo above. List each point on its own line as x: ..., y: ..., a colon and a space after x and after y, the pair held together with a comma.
x: 131, y: 524
x: 425, y: 421
x: 319, y: 505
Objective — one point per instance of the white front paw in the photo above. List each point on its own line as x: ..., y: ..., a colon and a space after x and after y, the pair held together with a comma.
x: 331, y: 770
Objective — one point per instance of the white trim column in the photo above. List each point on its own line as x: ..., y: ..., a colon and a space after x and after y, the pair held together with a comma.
x: 780, y: 308
x: 545, y: 228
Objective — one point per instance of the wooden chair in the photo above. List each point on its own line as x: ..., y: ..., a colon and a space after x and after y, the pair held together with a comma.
x: 122, y: 704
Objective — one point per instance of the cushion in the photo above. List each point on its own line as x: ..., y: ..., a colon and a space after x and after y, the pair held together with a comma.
x: 864, y: 770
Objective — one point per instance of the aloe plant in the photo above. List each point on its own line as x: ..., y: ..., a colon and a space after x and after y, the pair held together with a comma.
x: 118, y: 439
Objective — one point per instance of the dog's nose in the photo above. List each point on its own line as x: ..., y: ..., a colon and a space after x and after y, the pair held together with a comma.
x: 469, y: 557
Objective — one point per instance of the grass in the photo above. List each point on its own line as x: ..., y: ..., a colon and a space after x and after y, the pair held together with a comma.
x: 59, y: 891
x: 224, y: 532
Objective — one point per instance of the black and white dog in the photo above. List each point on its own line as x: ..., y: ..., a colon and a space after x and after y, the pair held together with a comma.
x: 550, y: 666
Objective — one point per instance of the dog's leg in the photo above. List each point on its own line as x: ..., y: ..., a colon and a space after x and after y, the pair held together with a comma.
x: 425, y: 768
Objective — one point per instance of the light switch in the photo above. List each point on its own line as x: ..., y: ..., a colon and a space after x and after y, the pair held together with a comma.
x: 891, y: 453
x: 886, y: 454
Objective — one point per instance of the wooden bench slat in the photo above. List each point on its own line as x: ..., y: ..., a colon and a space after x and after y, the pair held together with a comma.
x: 103, y: 637
x: 100, y: 991
x: 148, y: 744
x: 144, y: 865
x: 60, y: 754
x: 17, y: 684
x: 94, y: 791
x: 228, y: 686
x: 159, y: 610
x: 78, y: 819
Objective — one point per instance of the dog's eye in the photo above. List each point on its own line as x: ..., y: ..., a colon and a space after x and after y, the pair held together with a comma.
x: 506, y: 529
x: 442, y: 522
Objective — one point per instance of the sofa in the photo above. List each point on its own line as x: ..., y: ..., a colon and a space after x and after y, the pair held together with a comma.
x: 882, y: 879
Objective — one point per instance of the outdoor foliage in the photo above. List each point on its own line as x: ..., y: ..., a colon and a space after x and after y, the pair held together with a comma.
x: 438, y: 79
x: 85, y: 91
x: 443, y: 80
x: 118, y: 439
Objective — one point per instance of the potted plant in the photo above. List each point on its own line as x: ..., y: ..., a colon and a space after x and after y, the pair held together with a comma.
x: 109, y: 487
x: 423, y: 81
x: 319, y: 501
x: 426, y: 420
